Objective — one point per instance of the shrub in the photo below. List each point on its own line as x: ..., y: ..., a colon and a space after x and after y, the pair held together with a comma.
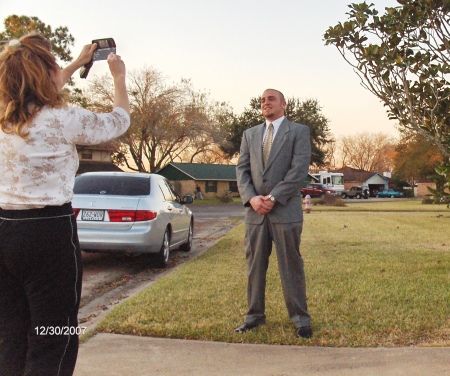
x: 330, y: 200
x: 225, y: 198
x: 408, y: 193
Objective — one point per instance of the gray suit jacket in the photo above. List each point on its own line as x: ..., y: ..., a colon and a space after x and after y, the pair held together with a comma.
x: 283, y: 176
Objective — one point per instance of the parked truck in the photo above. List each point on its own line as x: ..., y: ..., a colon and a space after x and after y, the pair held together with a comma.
x: 356, y: 192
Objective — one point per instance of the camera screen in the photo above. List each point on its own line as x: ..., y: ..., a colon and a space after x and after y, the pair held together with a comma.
x: 103, y: 43
x: 104, y: 47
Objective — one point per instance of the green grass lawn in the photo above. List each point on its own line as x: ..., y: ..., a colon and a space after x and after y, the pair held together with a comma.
x: 390, y: 204
x: 376, y: 276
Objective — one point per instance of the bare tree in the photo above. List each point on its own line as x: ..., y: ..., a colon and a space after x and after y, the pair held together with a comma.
x: 168, y: 122
x: 331, y: 161
x: 204, y: 147
x: 369, y: 152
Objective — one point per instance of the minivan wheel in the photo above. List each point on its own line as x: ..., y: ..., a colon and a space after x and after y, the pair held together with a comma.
x: 186, y: 247
x: 162, y: 257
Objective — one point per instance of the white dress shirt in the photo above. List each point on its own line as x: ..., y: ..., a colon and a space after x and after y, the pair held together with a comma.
x: 276, y: 125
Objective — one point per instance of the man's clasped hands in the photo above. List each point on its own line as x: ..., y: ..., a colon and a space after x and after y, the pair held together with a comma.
x: 262, y: 204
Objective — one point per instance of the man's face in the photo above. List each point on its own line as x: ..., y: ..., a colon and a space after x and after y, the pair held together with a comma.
x: 272, y: 106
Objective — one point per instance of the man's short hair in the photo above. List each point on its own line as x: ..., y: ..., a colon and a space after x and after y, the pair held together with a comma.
x: 279, y: 92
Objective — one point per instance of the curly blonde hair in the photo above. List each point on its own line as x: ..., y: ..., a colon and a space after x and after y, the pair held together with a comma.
x: 26, y: 84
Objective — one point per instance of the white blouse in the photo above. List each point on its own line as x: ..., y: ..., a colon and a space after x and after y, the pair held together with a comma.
x: 40, y: 170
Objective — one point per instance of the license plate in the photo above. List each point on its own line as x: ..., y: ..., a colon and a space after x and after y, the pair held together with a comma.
x: 92, y: 215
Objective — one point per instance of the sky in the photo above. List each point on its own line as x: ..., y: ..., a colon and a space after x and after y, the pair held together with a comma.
x: 233, y: 50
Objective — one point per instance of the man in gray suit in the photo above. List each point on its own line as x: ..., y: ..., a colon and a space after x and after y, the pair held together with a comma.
x: 273, y: 163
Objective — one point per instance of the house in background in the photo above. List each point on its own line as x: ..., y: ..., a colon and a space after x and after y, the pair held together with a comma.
x: 95, y: 158
x: 213, y: 179
x: 378, y: 182
x: 353, y: 176
x: 421, y: 188
x: 217, y: 179
x: 374, y: 181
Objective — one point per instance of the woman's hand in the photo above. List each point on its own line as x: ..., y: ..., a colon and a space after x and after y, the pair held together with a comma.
x: 86, y: 54
x: 116, y: 65
x: 84, y: 58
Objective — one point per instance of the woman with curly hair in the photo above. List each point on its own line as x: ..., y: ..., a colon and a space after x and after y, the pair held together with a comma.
x: 40, y: 259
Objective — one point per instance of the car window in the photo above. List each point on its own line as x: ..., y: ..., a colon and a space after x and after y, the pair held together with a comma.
x: 167, y: 193
x: 172, y: 190
x: 112, y: 185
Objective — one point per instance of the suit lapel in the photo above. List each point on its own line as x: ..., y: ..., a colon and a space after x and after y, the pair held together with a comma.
x: 257, y: 144
x: 278, y: 142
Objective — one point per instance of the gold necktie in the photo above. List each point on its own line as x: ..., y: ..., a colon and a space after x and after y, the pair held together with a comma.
x: 267, y: 145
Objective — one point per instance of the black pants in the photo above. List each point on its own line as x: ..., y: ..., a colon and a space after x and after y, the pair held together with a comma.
x: 40, y: 289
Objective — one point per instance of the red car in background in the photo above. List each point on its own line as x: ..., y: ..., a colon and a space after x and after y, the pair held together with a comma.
x: 317, y: 190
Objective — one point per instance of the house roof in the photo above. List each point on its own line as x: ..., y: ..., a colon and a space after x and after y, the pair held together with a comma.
x: 377, y: 178
x: 198, y: 171
x: 353, y: 174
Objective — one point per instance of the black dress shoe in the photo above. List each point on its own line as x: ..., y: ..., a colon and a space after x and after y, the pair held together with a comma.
x: 245, y: 327
x: 304, y: 332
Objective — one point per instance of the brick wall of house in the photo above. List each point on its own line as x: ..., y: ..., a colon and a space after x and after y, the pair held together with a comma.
x: 222, y: 187
x: 348, y: 185
x: 422, y: 188
x: 184, y: 187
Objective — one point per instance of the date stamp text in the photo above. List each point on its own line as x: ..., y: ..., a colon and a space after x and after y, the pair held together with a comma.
x: 59, y: 330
